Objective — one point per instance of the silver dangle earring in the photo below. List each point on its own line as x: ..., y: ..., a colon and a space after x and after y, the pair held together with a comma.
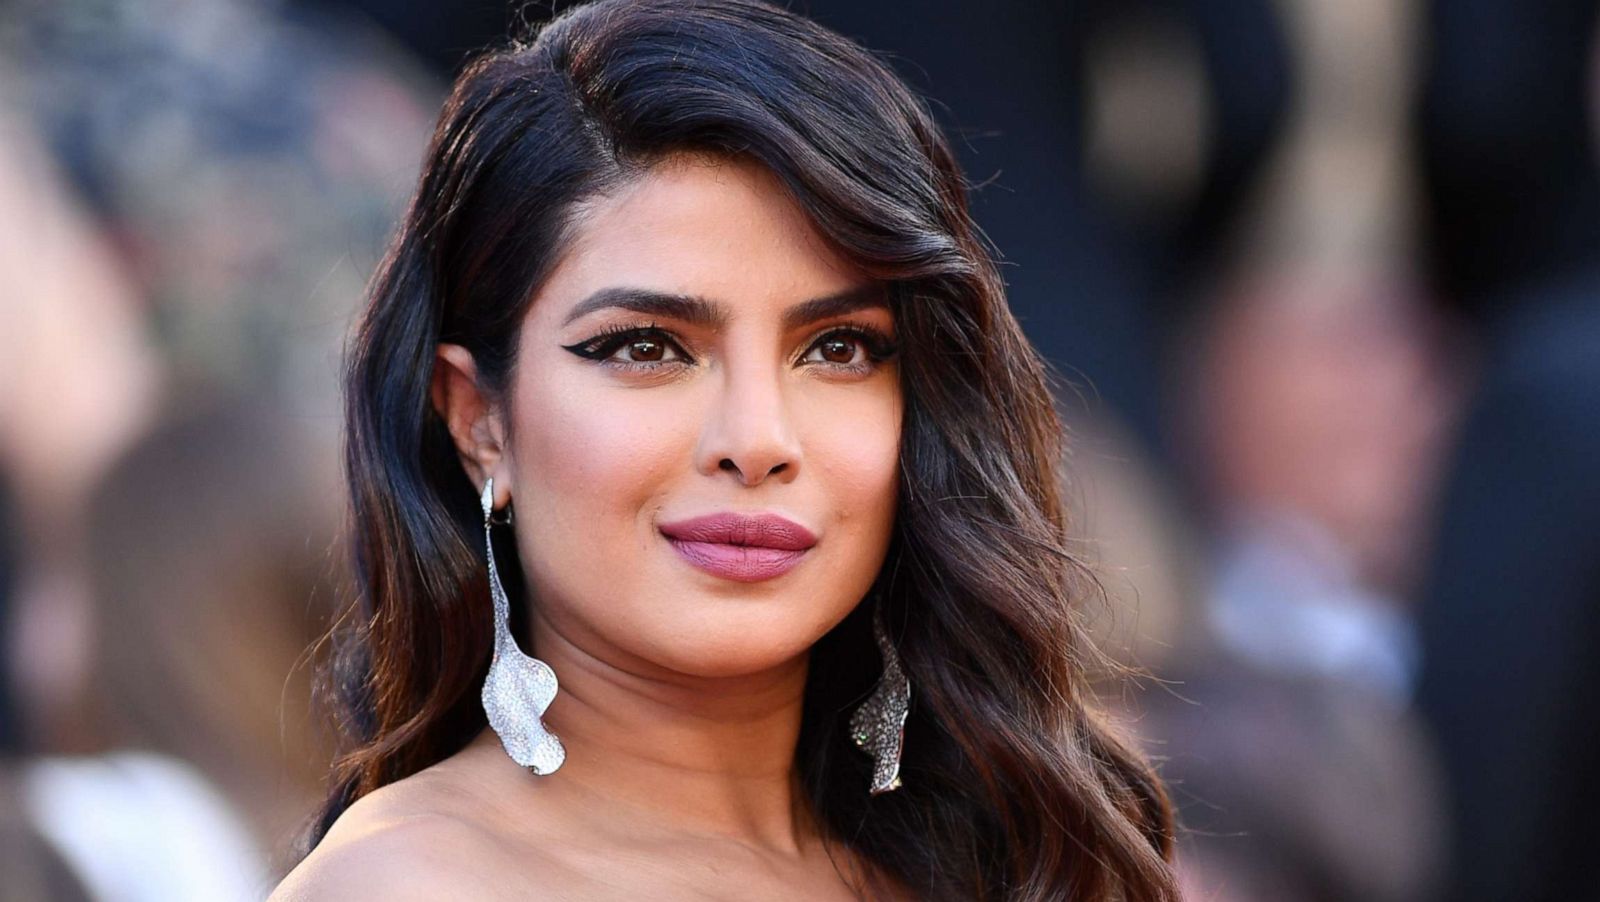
x: 879, y: 725
x: 518, y: 688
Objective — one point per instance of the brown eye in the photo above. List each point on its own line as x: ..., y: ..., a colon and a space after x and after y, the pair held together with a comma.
x: 837, y: 350
x: 851, y: 349
x: 646, y: 350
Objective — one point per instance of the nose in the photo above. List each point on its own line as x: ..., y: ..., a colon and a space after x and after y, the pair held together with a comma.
x: 748, y: 431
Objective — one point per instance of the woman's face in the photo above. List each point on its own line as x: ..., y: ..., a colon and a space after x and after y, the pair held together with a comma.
x: 701, y: 351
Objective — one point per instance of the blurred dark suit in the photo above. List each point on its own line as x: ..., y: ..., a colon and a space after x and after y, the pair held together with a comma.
x: 1511, y: 623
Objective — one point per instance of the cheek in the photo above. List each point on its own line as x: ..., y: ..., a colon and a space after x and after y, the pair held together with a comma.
x: 852, y: 444
x: 589, y: 461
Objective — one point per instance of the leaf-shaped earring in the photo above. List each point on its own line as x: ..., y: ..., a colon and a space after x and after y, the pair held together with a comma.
x: 518, y: 688
x: 879, y: 725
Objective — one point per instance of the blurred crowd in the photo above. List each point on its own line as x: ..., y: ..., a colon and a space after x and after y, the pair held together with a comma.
x: 1321, y: 282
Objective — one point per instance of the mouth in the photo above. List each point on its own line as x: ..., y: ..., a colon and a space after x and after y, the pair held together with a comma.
x: 740, y: 547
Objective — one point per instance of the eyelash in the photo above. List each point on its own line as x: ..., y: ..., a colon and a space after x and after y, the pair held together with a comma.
x: 879, y: 347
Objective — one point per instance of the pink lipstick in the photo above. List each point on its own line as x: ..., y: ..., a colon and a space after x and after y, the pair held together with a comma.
x: 742, y: 547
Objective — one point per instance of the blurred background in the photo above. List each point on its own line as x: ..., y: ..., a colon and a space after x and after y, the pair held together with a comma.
x: 1321, y: 281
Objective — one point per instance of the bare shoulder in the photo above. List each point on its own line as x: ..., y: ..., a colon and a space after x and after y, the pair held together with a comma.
x: 403, y: 861
x: 385, y: 847
x: 410, y: 840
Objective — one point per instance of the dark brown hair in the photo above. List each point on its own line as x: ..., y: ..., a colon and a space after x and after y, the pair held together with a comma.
x: 1014, y: 788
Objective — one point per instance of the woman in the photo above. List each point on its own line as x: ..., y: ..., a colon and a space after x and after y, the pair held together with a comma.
x: 689, y: 318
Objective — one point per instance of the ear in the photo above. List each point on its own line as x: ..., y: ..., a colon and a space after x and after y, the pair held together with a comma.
x: 475, y: 424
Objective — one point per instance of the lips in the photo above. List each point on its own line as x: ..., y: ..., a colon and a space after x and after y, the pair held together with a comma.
x: 740, y: 547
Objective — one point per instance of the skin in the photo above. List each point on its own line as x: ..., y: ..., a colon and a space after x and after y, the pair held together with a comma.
x: 680, y: 696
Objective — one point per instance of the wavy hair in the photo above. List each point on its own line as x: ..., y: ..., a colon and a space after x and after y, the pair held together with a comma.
x: 1015, y: 787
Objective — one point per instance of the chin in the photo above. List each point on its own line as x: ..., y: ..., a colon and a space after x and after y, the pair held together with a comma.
x: 722, y: 645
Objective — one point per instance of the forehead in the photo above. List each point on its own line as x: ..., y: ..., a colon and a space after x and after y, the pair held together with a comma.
x: 696, y: 225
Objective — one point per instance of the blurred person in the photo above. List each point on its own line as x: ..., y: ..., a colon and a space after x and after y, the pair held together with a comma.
x: 87, y: 384
x: 84, y: 387
x: 1315, y: 398
x: 186, y: 193
x: 205, y: 558
x: 664, y: 259
x: 211, y: 559
x: 1319, y: 413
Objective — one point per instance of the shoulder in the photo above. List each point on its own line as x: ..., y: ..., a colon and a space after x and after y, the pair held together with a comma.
x: 463, y: 828
x: 398, y: 843
x: 399, y: 862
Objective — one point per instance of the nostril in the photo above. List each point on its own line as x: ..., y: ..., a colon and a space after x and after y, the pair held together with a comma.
x: 727, y: 463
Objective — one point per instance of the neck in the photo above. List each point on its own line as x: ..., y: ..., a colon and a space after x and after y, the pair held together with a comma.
x: 701, y: 755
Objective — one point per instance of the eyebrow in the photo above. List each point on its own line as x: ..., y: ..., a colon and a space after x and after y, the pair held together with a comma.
x: 700, y: 311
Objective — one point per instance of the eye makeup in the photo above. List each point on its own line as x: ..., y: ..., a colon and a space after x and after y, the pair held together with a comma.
x: 603, y: 346
x: 875, y: 347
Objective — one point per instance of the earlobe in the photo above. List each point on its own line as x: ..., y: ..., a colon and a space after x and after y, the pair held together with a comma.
x: 466, y: 411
